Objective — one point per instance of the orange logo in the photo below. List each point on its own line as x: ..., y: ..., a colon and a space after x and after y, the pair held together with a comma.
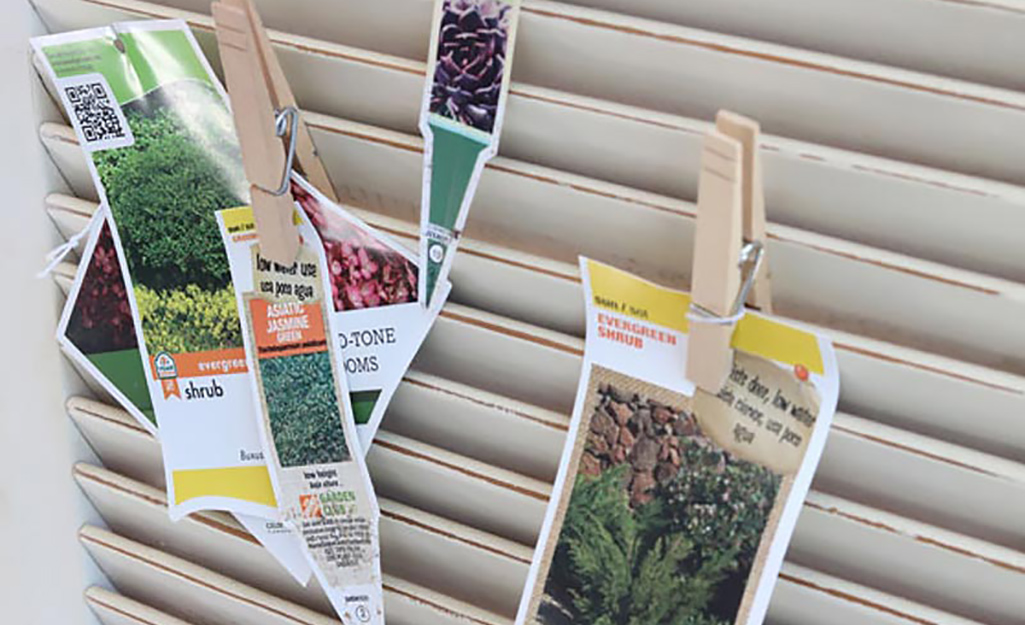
x: 171, y: 388
x: 310, y: 505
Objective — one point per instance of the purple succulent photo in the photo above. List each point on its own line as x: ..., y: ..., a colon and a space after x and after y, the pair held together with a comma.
x: 471, y: 61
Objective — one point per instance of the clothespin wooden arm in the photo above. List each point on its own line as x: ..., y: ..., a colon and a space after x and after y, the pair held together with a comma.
x: 748, y: 132
x: 716, y: 276
x: 306, y: 157
x: 731, y: 213
x: 263, y: 154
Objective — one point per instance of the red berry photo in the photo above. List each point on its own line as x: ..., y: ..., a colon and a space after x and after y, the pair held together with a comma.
x: 102, y: 318
x: 364, y: 272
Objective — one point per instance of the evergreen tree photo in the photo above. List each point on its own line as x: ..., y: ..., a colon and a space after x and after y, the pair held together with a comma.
x: 662, y: 526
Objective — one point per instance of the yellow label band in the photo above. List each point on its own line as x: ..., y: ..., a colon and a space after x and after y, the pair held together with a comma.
x: 624, y: 293
x: 238, y: 220
x: 778, y: 341
x: 245, y: 483
x: 621, y: 292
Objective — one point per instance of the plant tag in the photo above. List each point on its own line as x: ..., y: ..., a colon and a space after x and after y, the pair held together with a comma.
x: 373, y: 282
x: 97, y: 333
x: 163, y: 189
x: 468, y: 76
x: 671, y: 505
x: 305, y: 420
x: 97, y: 329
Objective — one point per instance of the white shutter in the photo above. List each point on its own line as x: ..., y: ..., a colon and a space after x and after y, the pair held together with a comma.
x: 893, y: 165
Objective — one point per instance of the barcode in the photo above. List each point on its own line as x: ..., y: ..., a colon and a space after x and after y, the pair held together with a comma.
x: 95, y: 112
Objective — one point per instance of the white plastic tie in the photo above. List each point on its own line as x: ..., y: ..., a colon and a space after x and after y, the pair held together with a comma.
x: 59, y: 253
x: 699, y: 315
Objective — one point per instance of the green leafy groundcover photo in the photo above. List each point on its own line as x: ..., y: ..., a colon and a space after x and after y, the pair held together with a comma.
x: 662, y: 526
x: 301, y: 403
x: 164, y: 190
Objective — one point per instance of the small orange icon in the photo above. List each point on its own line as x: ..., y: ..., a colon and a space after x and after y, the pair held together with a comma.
x: 310, y: 505
x: 801, y: 372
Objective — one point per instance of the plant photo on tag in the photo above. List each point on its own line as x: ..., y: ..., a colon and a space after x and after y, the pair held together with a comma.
x: 364, y: 271
x: 663, y: 524
x: 470, y: 64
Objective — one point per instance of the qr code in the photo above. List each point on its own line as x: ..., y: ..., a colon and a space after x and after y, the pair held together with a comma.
x: 95, y: 113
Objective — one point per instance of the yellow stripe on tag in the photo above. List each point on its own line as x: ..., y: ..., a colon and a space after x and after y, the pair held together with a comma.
x: 246, y: 483
x: 778, y: 341
x: 618, y: 291
x: 238, y: 220
x: 621, y: 292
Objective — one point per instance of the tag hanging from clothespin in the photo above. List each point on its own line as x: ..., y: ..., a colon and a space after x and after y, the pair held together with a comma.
x: 728, y: 265
x: 265, y: 112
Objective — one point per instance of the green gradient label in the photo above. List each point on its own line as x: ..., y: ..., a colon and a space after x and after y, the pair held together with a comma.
x: 455, y: 153
x: 130, y: 74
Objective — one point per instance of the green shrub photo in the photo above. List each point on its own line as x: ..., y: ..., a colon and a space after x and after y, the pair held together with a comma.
x: 189, y: 319
x: 305, y: 419
x: 662, y: 525
x: 164, y: 190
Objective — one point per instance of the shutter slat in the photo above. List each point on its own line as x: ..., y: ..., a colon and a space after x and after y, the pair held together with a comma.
x: 441, y: 482
x: 478, y: 424
x: 913, y: 560
x: 114, y: 609
x: 918, y: 477
x: 827, y: 516
x: 139, y: 512
x: 685, y: 70
x: 836, y: 192
x: 975, y: 41
x: 899, y: 386
x: 187, y: 590
x: 799, y: 586
x: 807, y: 597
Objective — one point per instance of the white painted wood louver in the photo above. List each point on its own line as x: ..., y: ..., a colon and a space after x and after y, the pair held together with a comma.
x: 893, y: 177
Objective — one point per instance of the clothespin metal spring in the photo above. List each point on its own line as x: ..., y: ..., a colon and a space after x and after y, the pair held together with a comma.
x: 749, y: 263
x: 751, y: 256
x: 285, y: 120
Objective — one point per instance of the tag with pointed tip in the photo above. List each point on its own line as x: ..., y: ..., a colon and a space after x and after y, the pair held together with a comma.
x: 97, y: 329
x: 304, y: 416
x: 461, y: 115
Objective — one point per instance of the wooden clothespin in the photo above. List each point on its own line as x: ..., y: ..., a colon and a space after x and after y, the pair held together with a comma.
x: 729, y: 249
x: 265, y: 111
